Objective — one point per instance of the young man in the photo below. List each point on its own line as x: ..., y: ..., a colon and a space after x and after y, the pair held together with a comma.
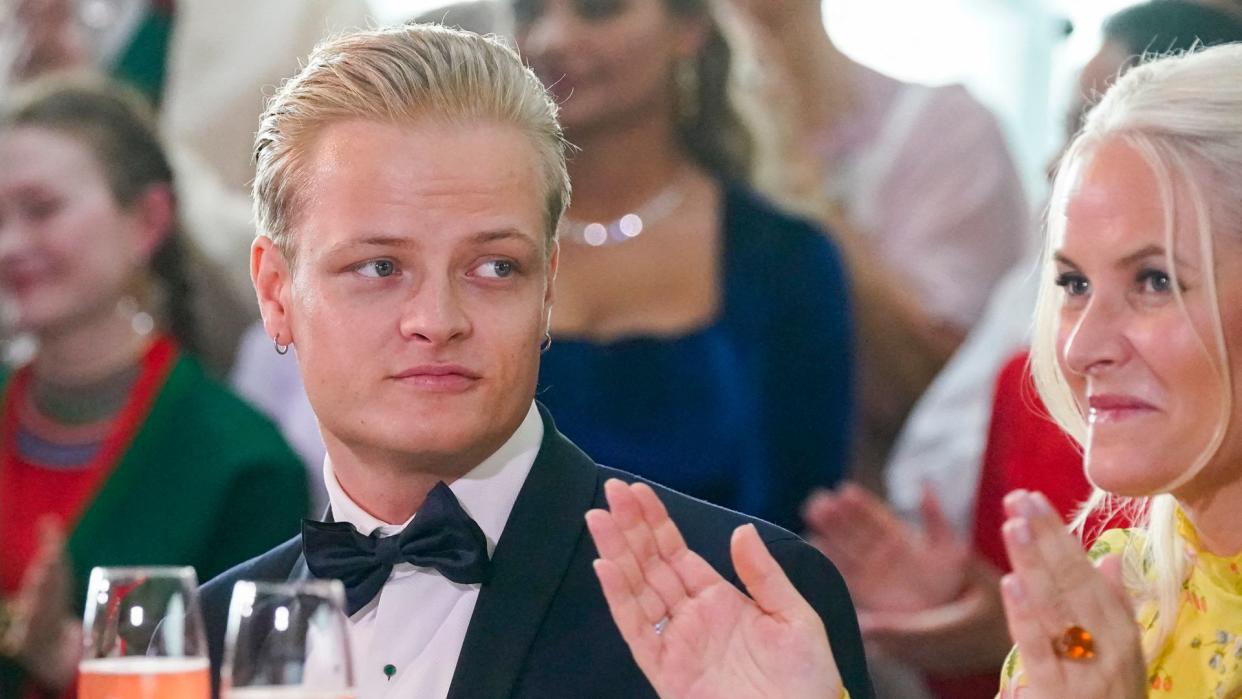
x: 408, y: 190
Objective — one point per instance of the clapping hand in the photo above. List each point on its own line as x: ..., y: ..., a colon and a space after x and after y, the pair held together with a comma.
x: 888, y: 565
x: 922, y: 597
x: 1052, y: 596
x: 694, y: 635
x: 43, y: 636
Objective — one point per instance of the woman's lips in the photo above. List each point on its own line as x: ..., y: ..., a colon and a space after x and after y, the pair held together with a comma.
x: 1112, y: 408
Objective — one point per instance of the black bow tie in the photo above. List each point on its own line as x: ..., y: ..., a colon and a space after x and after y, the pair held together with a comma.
x: 442, y: 536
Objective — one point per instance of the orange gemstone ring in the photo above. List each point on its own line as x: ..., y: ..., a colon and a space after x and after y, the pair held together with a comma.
x: 1074, y: 643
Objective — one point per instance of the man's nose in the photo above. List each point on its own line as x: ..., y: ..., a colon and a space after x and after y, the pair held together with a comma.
x: 434, y: 313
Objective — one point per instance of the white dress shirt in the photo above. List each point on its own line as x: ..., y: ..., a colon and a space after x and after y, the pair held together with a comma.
x: 418, y: 621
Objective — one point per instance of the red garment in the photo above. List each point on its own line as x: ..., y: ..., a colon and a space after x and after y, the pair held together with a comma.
x: 1026, y: 450
x: 30, y: 491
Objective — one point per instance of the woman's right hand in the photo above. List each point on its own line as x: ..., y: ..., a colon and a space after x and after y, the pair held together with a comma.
x: 694, y: 635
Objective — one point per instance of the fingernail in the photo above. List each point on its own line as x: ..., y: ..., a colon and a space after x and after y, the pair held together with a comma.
x: 1019, y: 531
x: 1042, y: 506
x: 1012, y: 499
x: 1026, y: 506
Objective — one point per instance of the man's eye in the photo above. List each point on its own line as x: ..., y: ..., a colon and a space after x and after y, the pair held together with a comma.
x: 377, y: 268
x: 496, y: 269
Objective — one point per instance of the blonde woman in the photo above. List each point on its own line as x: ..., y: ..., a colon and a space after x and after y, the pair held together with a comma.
x: 1138, y: 339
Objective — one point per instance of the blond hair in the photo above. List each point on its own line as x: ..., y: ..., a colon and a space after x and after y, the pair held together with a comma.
x: 1180, y: 113
x: 400, y: 75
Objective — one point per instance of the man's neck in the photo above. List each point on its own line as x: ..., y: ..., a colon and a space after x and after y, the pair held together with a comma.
x: 392, y: 487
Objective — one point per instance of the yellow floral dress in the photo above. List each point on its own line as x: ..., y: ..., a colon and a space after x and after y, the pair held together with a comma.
x: 1203, y: 657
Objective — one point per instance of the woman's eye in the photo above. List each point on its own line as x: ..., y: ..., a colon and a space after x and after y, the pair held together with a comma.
x: 1155, y: 281
x: 377, y: 269
x: 496, y: 269
x: 527, y: 11
x: 598, y: 9
x: 42, y: 209
x: 1074, y: 284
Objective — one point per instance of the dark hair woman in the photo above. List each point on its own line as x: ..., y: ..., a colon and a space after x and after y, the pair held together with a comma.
x: 115, y: 446
x: 701, y: 337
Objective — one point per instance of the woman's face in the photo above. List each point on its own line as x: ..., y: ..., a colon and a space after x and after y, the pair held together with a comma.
x: 67, y: 249
x: 606, y: 61
x: 1142, y: 368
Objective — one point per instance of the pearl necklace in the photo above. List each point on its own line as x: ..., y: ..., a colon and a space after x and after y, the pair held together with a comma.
x: 629, y: 225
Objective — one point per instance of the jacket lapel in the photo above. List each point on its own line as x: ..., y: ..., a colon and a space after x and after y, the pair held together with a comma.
x: 528, y: 564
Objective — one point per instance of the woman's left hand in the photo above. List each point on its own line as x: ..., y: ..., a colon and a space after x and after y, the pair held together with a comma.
x: 1052, y: 595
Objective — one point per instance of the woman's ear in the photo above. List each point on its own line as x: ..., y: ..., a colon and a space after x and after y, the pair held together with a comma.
x: 693, y: 33
x: 154, y: 215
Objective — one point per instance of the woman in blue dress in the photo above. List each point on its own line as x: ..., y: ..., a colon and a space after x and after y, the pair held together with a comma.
x: 701, y: 337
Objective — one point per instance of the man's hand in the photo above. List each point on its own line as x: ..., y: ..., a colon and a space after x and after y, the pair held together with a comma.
x: 693, y: 634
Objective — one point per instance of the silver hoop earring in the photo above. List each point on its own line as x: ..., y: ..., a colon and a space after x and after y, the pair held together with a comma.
x: 282, y: 350
x: 547, y: 342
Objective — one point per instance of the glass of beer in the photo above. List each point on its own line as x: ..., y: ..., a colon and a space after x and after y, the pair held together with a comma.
x: 143, y: 636
x: 287, y: 640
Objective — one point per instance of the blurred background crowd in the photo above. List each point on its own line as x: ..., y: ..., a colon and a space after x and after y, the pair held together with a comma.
x: 797, y: 277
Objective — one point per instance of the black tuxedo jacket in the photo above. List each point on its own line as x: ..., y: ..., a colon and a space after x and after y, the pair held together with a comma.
x: 541, y: 627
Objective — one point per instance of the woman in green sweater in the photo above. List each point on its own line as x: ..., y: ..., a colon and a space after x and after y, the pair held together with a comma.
x: 115, y: 447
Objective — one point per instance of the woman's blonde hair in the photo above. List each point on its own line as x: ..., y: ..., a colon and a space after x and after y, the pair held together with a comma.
x: 1181, y: 114
x: 400, y: 75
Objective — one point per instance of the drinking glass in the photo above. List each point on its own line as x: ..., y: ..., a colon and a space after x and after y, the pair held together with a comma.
x: 287, y: 640
x: 143, y: 634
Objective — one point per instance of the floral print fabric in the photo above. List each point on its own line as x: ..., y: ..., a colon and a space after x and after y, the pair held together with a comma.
x: 1202, y: 659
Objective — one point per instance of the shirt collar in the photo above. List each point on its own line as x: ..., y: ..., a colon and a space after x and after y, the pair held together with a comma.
x: 487, y: 492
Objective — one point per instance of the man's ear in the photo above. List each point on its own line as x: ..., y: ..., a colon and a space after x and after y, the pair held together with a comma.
x: 272, y: 277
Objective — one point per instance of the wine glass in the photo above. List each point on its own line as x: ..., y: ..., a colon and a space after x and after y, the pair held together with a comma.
x: 143, y: 636
x: 287, y: 640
